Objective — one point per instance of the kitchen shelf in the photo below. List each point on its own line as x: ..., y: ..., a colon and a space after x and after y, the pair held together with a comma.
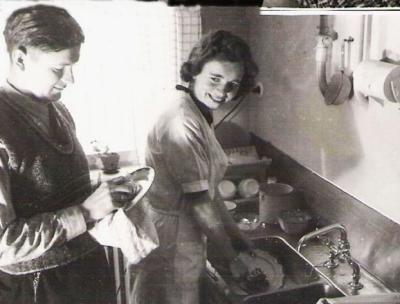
x: 241, y: 201
x: 256, y: 169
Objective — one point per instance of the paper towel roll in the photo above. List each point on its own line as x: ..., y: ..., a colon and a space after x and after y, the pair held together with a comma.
x: 378, y: 79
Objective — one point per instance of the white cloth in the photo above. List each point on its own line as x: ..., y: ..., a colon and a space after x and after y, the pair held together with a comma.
x: 128, y: 230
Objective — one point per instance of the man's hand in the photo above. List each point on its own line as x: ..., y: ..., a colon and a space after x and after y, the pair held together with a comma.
x: 98, y: 204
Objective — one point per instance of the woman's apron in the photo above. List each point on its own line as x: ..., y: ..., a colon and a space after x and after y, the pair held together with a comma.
x: 171, y: 274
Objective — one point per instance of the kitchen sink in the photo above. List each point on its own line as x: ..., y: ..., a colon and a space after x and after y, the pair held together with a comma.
x: 301, y: 284
x: 296, y: 269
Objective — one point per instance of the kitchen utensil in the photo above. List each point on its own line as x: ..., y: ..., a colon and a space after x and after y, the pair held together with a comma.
x: 267, y: 264
x: 275, y: 198
x: 295, y: 222
x: 255, y: 281
x: 247, y: 221
x: 227, y: 189
x: 230, y: 205
x: 248, y: 187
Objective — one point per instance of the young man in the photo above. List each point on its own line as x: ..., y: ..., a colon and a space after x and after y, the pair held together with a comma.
x: 46, y: 199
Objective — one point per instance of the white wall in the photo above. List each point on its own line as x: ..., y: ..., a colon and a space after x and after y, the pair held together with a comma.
x: 356, y: 145
x: 124, y: 74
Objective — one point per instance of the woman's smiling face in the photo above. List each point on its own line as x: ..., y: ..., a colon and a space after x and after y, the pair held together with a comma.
x: 218, y: 82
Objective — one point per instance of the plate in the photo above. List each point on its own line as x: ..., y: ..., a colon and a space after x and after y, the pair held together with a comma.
x: 142, y: 177
x: 268, y: 264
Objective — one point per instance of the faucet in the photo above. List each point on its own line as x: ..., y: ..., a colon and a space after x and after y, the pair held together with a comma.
x: 323, y: 231
x: 341, y: 252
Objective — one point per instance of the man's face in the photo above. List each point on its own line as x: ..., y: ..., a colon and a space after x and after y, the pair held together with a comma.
x: 46, y: 73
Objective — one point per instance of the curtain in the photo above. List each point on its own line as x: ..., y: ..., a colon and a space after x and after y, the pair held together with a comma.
x: 187, y: 33
x: 182, y: 31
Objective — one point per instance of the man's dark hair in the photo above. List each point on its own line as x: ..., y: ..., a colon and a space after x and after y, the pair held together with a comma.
x: 49, y: 28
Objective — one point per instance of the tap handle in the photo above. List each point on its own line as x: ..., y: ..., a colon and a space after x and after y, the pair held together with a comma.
x: 326, y: 241
x: 344, y: 246
x: 329, y: 244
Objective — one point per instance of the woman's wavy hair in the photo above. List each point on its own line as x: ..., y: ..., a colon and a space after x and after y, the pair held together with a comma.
x: 224, y: 46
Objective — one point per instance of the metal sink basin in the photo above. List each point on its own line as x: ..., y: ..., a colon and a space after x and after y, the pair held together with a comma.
x: 307, y: 294
x: 296, y: 269
x: 301, y: 284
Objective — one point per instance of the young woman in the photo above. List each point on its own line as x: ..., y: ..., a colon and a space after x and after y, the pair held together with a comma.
x: 189, y: 163
x: 46, y: 199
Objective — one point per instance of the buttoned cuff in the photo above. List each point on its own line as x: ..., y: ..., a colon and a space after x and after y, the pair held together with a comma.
x: 72, y: 221
x: 197, y: 186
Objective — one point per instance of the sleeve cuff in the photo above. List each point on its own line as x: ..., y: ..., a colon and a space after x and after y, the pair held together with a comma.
x: 197, y: 186
x: 72, y: 221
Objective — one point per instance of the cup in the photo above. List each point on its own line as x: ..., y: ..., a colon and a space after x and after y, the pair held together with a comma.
x: 227, y: 189
x: 248, y: 187
x: 275, y: 198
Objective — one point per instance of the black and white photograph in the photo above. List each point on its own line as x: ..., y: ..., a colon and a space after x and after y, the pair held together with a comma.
x: 161, y: 152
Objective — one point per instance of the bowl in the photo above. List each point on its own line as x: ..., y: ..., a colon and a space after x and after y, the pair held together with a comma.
x: 295, y: 221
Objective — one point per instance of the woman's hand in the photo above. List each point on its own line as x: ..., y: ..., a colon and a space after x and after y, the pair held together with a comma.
x: 238, y: 268
x: 98, y: 204
x: 242, y: 243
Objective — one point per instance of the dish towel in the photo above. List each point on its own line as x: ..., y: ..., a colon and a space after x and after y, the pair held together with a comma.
x: 128, y: 230
x: 386, y: 298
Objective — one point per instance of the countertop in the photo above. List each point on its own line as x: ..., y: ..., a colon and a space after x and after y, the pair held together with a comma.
x: 317, y: 253
x: 314, y: 252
